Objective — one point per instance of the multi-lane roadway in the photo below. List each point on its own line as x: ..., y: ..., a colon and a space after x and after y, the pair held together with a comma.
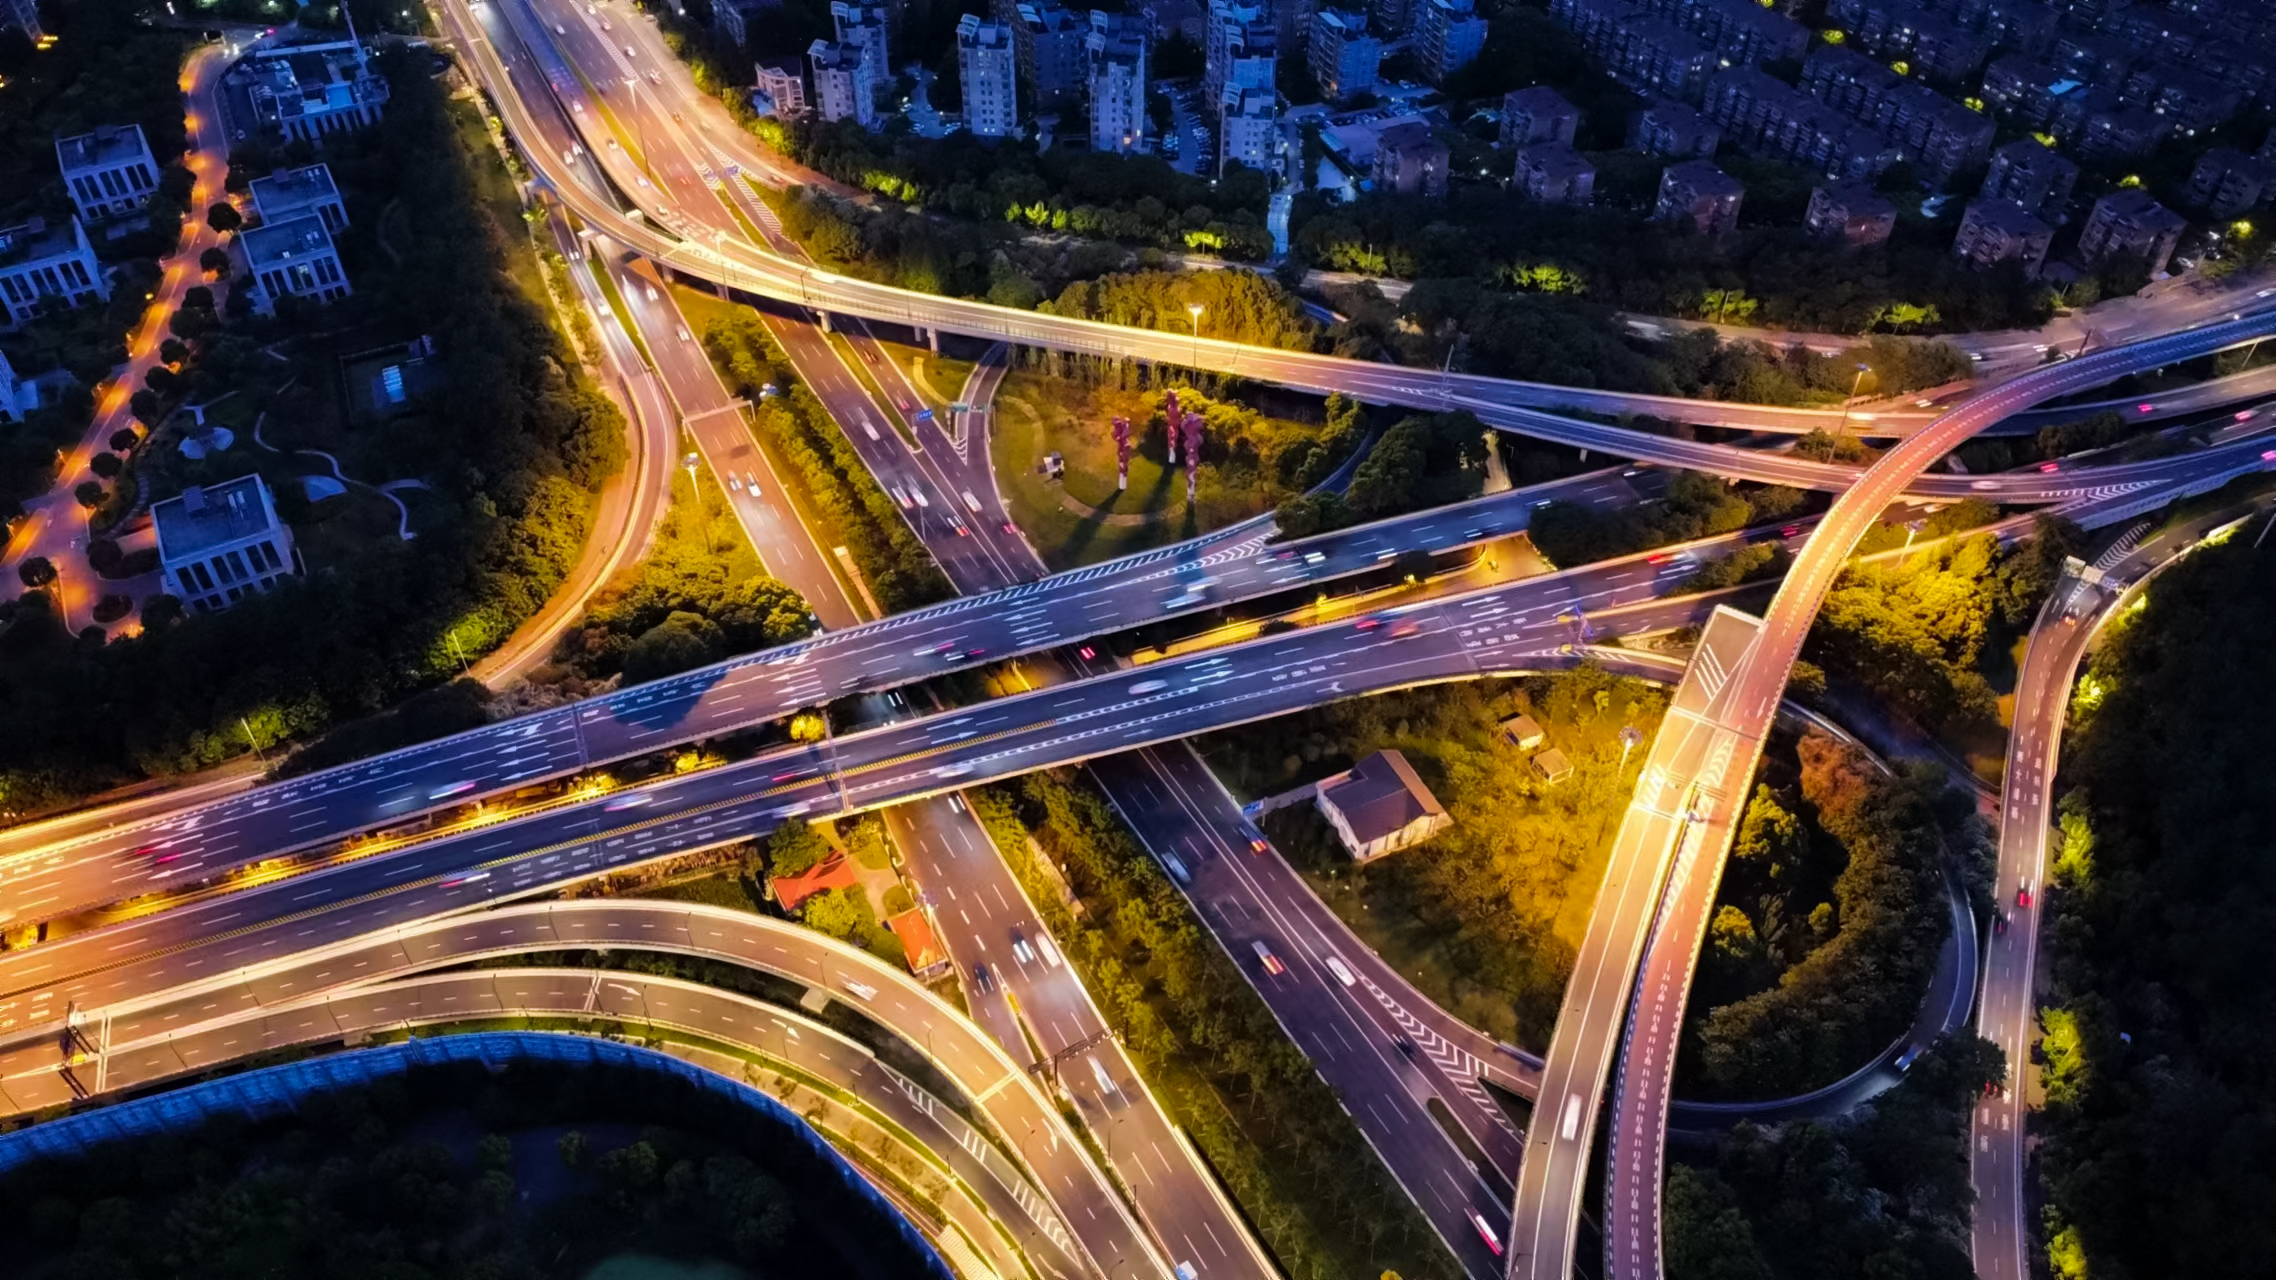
x: 1653, y: 909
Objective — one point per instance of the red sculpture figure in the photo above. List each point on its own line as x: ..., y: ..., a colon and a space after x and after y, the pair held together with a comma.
x: 1122, y: 453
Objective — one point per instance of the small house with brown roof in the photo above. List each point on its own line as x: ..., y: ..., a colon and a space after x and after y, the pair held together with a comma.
x: 1379, y: 806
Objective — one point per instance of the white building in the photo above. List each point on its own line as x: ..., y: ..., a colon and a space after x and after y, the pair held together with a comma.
x: 110, y: 172
x: 13, y: 399
x: 1117, y: 48
x: 1448, y: 36
x: 842, y: 87
x: 24, y: 16
x: 1343, y: 57
x: 784, y: 85
x: 734, y: 17
x: 39, y: 261
x: 293, y: 258
x: 1250, y: 128
x: 309, y: 90
x: 863, y: 26
x: 291, y: 193
x: 1241, y: 47
x: 219, y: 544
x: 989, y: 67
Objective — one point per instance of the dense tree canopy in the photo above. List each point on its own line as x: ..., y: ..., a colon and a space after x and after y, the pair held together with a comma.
x: 2160, y: 1044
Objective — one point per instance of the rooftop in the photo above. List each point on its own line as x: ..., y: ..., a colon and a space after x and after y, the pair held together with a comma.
x: 198, y: 520
x: 35, y: 239
x: 108, y: 145
x: 1703, y: 178
x: 281, y: 242
x: 289, y: 189
x: 1405, y: 135
x: 1381, y: 795
x: 2011, y: 218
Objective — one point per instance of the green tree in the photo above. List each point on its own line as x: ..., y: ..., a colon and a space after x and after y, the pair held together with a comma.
x: 223, y: 217
x: 36, y: 571
x: 1707, y: 1237
x: 681, y: 642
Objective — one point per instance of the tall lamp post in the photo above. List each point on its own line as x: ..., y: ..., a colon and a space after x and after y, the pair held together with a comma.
x: 1854, y: 384
x: 1195, y: 309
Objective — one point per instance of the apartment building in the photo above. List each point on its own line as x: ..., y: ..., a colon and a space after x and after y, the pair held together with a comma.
x: 2122, y: 133
x: 2035, y: 95
x: 294, y: 258
x: 1249, y: 128
x: 2022, y: 26
x: 1642, y: 52
x: 1761, y: 114
x: 293, y: 193
x: 1117, y: 49
x: 1048, y: 41
x: 733, y: 18
x: 311, y: 90
x: 40, y: 261
x: 1410, y: 160
x: 784, y: 84
x: 1343, y: 57
x: 1741, y: 32
x: 863, y: 27
x: 1929, y: 43
x: 110, y: 173
x: 842, y: 87
x: 1448, y: 35
x: 1850, y: 212
x: 2031, y: 177
x: 1698, y: 192
x: 1537, y: 115
x: 1675, y: 130
x: 989, y: 70
x: 220, y: 543
x: 1553, y: 174
x: 1939, y: 136
x: 2227, y: 182
x: 2128, y: 223
x: 1996, y: 231
x: 1241, y: 47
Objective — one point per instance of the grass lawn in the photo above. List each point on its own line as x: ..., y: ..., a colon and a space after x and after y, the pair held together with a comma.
x: 1083, y: 519
x: 1484, y: 918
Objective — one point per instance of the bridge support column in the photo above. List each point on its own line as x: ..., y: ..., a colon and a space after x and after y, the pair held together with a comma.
x: 932, y: 337
x: 824, y: 318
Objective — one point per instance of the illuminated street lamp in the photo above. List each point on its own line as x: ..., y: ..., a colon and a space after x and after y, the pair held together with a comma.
x: 1854, y: 384
x: 1195, y: 309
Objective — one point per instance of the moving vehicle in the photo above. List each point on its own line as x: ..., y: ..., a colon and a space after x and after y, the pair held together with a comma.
x: 983, y: 981
x: 1906, y: 1059
x: 1342, y: 971
x: 455, y: 881
x: 1404, y: 628
x: 448, y: 790
x: 1172, y: 864
x: 1265, y: 957
x: 1106, y: 1082
x: 685, y: 336
x: 634, y: 800
x: 1022, y: 952
x: 2023, y: 896
x: 1148, y: 686
x: 1486, y: 1233
x: 1404, y: 1045
x: 862, y: 990
x: 1050, y: 949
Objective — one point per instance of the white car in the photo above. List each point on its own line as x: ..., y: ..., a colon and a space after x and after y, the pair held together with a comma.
x: 1022, y: 952
x: 861, y: 989
x: 1342, y: 971
x: 685, y: 336
x: 1050, y: 949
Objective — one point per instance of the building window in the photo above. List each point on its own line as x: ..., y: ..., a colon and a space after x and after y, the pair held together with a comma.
x: 204, y: 579
x: 237, y: 563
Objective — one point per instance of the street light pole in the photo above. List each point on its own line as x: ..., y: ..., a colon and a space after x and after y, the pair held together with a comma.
x: 1194, y: 309
x: 1854, y: 384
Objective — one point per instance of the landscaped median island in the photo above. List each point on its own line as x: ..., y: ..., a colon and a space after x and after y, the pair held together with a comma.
x: 1272, y: 1131
x: 1053, y: 448
x: 1485, y: 916
x: 835, y: 492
